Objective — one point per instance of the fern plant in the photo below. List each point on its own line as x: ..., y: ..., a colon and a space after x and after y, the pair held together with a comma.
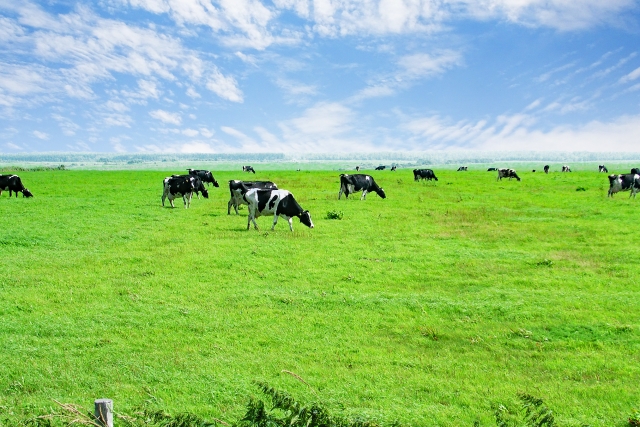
x: 533, y: 413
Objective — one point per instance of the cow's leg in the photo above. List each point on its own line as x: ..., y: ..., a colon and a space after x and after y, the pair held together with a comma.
x: 171, y: 202
x: 290, y: 221
x: 364, y: 195
x: 341, y: 191
x: 275, y: 221
x: 229, y: 206
x: 189, y: 195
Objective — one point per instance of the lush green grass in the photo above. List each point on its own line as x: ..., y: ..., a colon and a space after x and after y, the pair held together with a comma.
x: 429, y: 307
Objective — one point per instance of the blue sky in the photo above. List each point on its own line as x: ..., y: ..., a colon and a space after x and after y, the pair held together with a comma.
x: 319, y: 76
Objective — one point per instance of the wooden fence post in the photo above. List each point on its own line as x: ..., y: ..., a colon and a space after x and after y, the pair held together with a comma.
x: 104, y: 412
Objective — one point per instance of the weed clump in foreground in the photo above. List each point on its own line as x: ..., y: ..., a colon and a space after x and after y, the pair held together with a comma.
x: 533, y: 413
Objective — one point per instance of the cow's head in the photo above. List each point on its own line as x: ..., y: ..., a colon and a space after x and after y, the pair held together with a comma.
x: 26, y: 193
x: 381, y: 193
x: 305, y: 218
x: 213, y: 180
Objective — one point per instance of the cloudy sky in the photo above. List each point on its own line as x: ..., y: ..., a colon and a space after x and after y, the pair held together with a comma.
x: 324, y: 76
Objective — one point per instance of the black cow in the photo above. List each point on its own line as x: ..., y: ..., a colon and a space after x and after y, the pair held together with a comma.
x: 174, y: 187
x: 238, y: 188
x: 566, y: 168
x: 427, y: 174
x: 198, y: 185
x: 276, y: 203
x: 381, y: 168
x: 13, y: 184
x: 603, y: 168
x: 248, y: 169
x: 357, y: 168
x: 492, y: 169
x: 624, y: 182
x: 546, y: 168
x: 204, y: 175
x: 462, y: 168
x: 359, y: 182
x: 507, y: 173
x: 635, y: 171
x: 534, y: 171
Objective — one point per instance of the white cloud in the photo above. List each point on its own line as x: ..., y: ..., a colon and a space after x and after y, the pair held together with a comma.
x: 196, y: 147
x: 190, y: 132
x: 40, y: 135
x: 224, y: 86
x: 296, y: 88
x: 166, y: 117
x: 422, y: 65
x: 191, y: 93
x: 206, y: 132
x: 631, y: 76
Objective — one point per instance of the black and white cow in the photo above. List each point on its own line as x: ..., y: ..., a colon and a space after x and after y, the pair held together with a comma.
x: 174, y: 187
x: 427, y: 174
x: 248, y: 169
x: 492, y: 169
x: 393, y: 168
x: 603, y: 168
x: 624, y: 182
x: 359, y: 182
x: 238, y: 188
x: 276, y: 203
x: 546, y: 168
x: 13, y: 184
x: 198, y: 185
x: 566, y: 168
x: 507, y: 173
x: 635, y: 170
x: 462, y: 168
x: 205, y: 176
x: 381, y: 168
x: 357, y: 168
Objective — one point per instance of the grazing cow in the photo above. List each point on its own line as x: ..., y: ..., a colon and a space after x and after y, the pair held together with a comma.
x: 357, y: 168
x: 492, y: 169
x: 546, y: 168
x: 248, y: 169
x: 624, y: 182
x: 13, y: 184
x: 179, y: 186
x: 204, y: 175
x: 238, y: 188
x: 198, y: 185
x: 393, y: 168
x: 462, y: 168
x: 603, y: 168
x: 566, y: 168
x: 507, y: 173
x: 381, y: 168
x: 635, y: 170
x: 534, y: 171
x: 427, y: 174
x: 276, y: 203
x: 359, y: 182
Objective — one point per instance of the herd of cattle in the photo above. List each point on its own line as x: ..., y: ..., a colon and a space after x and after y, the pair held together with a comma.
x: 265, y: 198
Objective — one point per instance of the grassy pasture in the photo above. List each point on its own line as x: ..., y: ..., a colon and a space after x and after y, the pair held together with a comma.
x: 429, y: 307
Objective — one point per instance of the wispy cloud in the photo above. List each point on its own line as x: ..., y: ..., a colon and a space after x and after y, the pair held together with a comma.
x: 166, y: 117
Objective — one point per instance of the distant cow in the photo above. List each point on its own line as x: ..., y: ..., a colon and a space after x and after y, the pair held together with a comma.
x: 393, y: 168
x: 198, y: 185
x: 566, y: 168
x: 546, y: 168
x: 204, y: 175
x: 248, y: 169
x: 492, y: 169
x: 603, y: 168
x: 13, y: 184
x: 357, y: 168
x: 427, y: 174
x: 238, y: 188
x: 359, y: 182
x: 624, y: 182
x: 507, y: 173
x: 381, y: 168
x: 174, y: 187
x: 462, y: 168
x: 276, y: 203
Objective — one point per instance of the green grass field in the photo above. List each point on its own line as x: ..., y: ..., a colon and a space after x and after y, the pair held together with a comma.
x: 430, y: 307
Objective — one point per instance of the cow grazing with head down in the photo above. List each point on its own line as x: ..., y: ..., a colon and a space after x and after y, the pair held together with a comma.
x: 566, y: 168
x: 276, y: 203
x: 205, y: 176
x: 381, y: 168
x: 248, y: 169
x: 603, y: 168
x: 393, y: 168
x: 427, y: 174
x: 179, y: 186
x: 357, y: 168
x: 14, y: 185
x: 198, y: 185
x: 462, y: 168
x: 546, y: 168
x: 624, y: 182
x: 492, y: 169
x: 507, y: 173
x: 359, y: 182
x: 238, y: 188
